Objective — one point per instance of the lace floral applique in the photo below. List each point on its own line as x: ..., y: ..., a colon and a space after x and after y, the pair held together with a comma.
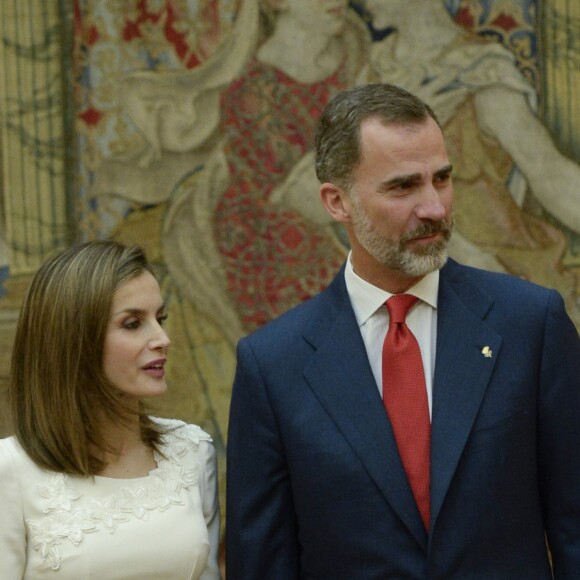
x: 106, y: 513
x: 179, y: 441
x: 45, y: 540
x: 58, y: 495
x: 164, y: 487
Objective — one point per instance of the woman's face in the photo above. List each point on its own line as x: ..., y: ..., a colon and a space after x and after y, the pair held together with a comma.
x: 135, y: 349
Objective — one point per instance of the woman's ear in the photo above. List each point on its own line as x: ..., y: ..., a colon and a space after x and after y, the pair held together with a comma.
x: 336, y: 202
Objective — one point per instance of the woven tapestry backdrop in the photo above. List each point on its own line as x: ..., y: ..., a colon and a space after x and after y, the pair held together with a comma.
x: 187, y: 127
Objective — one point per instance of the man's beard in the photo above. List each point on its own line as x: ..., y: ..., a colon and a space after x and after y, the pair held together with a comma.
x: 396, y: 255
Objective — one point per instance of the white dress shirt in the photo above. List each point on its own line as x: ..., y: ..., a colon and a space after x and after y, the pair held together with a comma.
x: 373, y: 320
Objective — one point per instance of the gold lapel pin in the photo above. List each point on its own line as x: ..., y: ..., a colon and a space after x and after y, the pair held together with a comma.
x: 487, y: 352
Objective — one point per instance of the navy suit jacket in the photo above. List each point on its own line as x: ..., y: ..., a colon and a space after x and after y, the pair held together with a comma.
x: 316, y: 488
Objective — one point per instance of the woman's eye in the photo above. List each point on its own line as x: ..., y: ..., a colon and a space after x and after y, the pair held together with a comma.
x: 161, y: 319
x: 131, y: 324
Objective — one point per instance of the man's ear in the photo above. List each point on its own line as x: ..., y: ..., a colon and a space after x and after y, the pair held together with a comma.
x: 336, y: 202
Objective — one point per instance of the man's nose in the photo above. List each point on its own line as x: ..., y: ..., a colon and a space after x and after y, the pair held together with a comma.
x: 431, y: 206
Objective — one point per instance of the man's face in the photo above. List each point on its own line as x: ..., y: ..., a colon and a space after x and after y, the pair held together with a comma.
x: 401, y: 200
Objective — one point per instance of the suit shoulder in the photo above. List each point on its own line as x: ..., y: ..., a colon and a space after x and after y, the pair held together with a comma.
x: 497, y: 284
x: 497, y: 296
x: 293, y: 322
x: 287, y: 326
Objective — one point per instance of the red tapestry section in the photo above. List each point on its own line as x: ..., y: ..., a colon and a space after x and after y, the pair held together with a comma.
x: 274, y: 257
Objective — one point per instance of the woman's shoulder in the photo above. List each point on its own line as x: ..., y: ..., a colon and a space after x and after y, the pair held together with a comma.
x: 180, y: 437
x: 11, y: 453
x: 7, y: 450
x: 7, y: 443
x: 15, y: 464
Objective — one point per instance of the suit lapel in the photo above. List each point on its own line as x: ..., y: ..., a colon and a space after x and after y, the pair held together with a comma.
x: 341, y: 378
x: 462, y: 373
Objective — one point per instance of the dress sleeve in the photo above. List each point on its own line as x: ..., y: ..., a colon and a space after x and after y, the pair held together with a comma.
x: 211, y: 512
x: 12, y: 528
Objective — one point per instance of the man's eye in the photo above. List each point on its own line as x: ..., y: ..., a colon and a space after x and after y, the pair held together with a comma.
x: 403, y: 188
x: 443, y: 178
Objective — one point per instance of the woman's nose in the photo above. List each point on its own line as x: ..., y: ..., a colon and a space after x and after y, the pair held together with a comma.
x: 160, y: 338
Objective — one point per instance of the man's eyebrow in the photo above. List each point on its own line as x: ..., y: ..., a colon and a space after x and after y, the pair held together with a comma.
x: 411, y: 178
x: 444, y: 171
x: 400, y: 180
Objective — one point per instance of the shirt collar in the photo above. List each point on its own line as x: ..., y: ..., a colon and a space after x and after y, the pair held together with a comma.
x: 366, y: 299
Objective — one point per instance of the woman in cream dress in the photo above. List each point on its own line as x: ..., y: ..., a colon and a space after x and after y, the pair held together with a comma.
x: 91, y: 486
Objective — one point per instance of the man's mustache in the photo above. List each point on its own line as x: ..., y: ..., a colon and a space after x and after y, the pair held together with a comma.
x: 429, y: 229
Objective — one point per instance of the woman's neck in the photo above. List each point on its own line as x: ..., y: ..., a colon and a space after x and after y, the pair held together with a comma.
x: 126, y: 455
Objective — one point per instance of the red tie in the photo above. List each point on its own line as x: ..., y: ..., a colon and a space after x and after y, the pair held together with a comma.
x: 405, y: 399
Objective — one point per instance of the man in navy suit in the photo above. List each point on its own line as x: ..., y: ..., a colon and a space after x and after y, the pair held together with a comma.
x: 317, y: 487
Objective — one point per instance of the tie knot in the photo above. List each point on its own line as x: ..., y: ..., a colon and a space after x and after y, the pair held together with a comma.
x: 398, y: 306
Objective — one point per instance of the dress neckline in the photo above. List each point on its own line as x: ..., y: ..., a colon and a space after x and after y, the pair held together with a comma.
x: 131, y: 479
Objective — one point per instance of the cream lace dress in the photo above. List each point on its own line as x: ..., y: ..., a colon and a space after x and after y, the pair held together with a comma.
x: 163, y: 526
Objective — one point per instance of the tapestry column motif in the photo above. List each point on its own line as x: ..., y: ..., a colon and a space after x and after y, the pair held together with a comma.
x: 36, y: 213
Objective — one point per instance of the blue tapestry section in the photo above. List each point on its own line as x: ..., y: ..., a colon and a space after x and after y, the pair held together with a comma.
x: 4, y: 273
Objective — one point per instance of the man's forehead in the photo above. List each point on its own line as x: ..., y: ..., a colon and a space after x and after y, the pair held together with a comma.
x: 425, y: 138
